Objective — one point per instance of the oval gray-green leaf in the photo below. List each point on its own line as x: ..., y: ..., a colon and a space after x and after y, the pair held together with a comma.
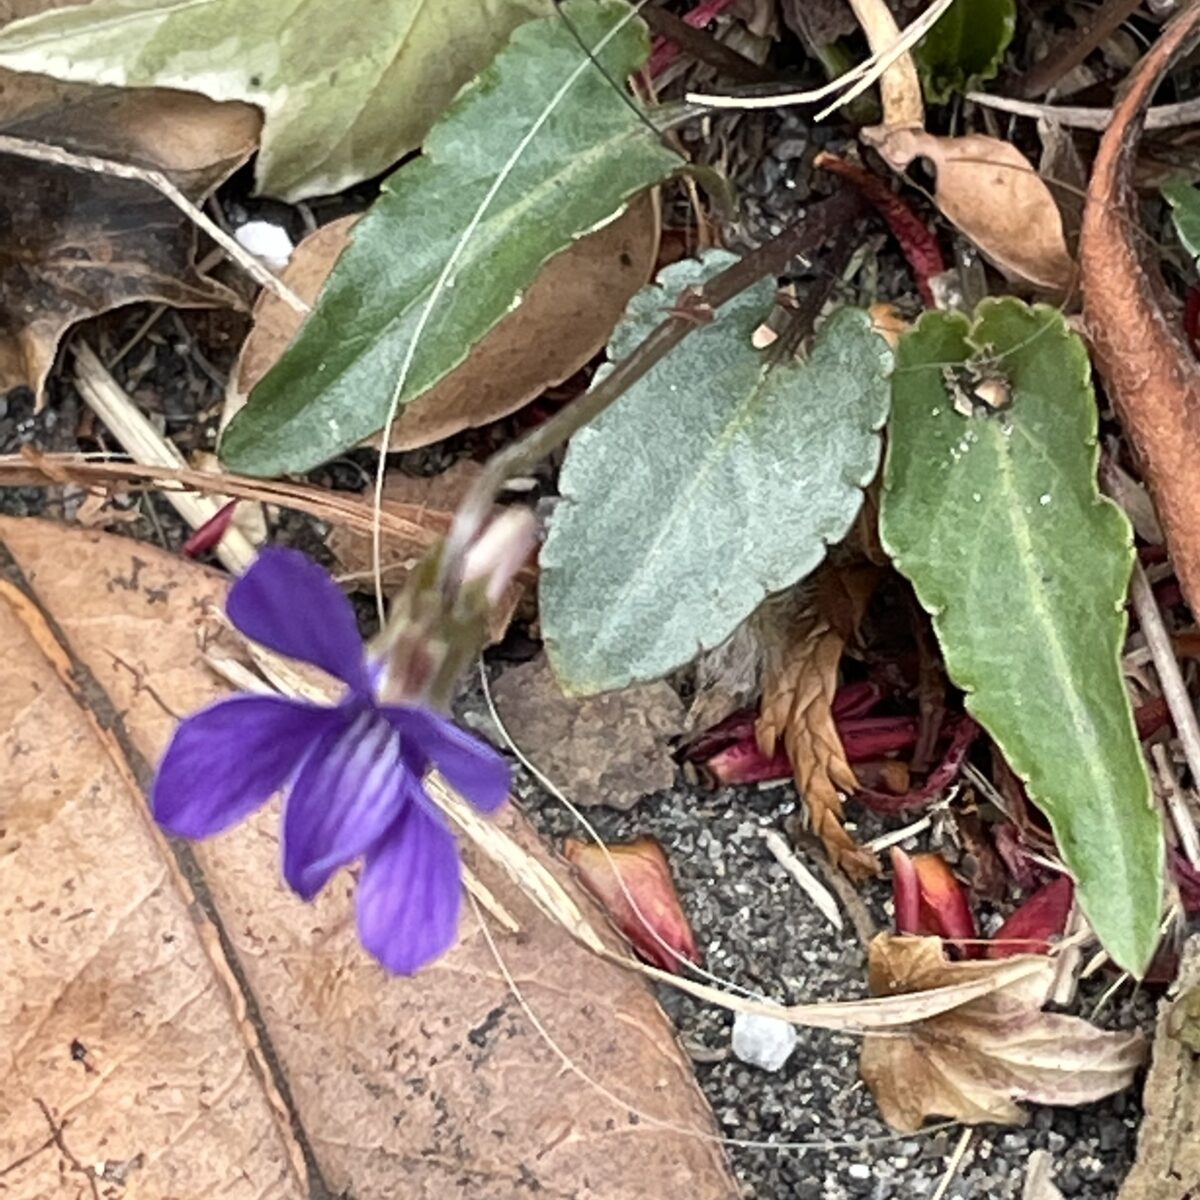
x: 540, y: 150
x: 718, y: 478
x: 997, y: 520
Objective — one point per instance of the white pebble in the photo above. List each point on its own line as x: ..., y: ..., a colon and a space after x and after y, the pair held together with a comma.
x: 858, y: 1171
x: 267, y: 242
x: 1044, y: 499
x: 765, y: 1042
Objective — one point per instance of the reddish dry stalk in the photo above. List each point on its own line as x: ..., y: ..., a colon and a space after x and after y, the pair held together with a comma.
x: 1138, y: 343
x: 916, y: 239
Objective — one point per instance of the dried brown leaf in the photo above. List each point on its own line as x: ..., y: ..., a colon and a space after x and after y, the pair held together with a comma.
x: 992, y: 193
x: 609, y: 749
x: 158, y: 1029
x: 799, y: 682
x: 1139, y: 346
x: 563, y: 320
x: 1168, y: 1154
x: 977, y: 1061
x: 78, y: 243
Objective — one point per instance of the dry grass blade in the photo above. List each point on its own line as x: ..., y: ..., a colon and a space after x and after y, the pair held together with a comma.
x: 410, y: 522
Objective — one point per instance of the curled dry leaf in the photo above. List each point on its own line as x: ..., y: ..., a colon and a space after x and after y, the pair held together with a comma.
x: 610, y: 749
x: 78, y: 243
x: 799, y: 682
x: 1140, y: 349
x: 642, y: 867
x: 154, y: 1000
x: 977, y: 1061
x: 562, y: 321
x: 992, y: 193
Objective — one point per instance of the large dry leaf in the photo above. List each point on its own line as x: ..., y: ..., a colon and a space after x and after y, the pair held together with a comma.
x: 994, y: 195
x: 562, y: 321
x: 1168, y: 1154
x: 77, y: 243
x: 610, y: 749
x: 799, y: 682
x: 974, y: 1063
x: 161, y: 1019
x: 1141, y: 351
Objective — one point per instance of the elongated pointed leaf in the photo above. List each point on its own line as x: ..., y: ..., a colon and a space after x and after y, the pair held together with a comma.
x: 347, y: 87
x: 717, y: 479
x: 561, y: 148
x: 997, y: 520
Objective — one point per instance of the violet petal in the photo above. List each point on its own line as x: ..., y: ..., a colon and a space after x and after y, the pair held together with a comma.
x: 289, y: 604
x: 469, y: 765
x: 411, y: 892
x: 228, y: 759
x: 351, y: 790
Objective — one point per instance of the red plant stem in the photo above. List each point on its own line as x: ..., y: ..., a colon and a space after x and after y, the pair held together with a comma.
x: 964, y: 733
x: 209, y: 535
x: 916, y: 239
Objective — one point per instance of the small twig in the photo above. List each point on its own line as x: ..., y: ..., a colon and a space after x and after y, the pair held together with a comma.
x: 1174, y: 689
x: 44, y: 152
x: 1163, y: 116
x: 110, y: 402
x: 1177, y: 805
x: 1073, y: 46
x: 842, y: 888
x: 810, y: 885
x: 955, y: 1164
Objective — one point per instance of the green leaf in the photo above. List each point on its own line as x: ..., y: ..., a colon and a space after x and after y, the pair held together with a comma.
x: 347, y: 87
x: 965, y: 47
x: 997, y: 520
x: 718, y: 478
x: 1184, y: 200
x: 334, y: 384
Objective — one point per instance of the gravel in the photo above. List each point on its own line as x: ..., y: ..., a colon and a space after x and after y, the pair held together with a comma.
x: 757, y: 929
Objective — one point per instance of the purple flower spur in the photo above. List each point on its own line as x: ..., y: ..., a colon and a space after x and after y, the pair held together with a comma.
x: 353, y: 770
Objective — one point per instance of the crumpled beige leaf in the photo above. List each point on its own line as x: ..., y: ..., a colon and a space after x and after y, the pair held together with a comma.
x: 799, y: 682
x: 976, y: 1062
x: 993, y: 194
x: 611, y: 749
x: 155, y: 1002
x: 562, y: 321
x: 78, y: 243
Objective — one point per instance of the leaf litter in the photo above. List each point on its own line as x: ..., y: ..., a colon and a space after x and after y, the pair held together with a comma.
x: 876, y: 662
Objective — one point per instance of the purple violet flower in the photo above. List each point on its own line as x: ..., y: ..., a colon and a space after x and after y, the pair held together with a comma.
x: 354, y: 770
